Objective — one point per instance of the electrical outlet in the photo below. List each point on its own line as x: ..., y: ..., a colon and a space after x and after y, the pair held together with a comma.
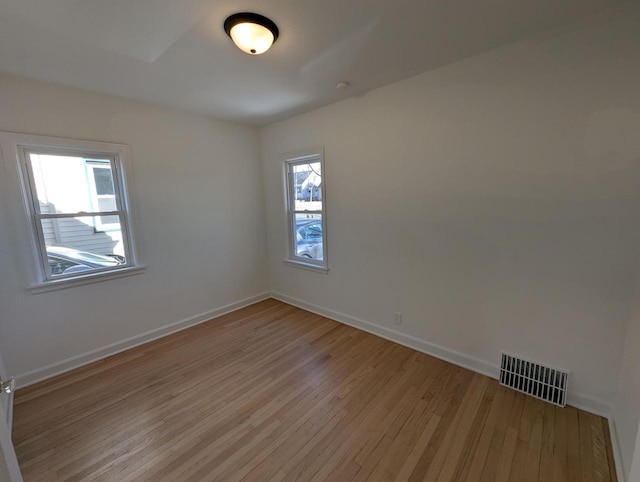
x: 397, y: 318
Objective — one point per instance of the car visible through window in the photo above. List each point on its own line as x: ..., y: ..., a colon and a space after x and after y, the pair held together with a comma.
x: 309, y: 239
x: 63, y: 260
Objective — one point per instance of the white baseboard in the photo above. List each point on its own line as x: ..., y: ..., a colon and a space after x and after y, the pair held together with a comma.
x: 617, y: 453
x: 598, y: 407
x: 77, y: 361
x: 588, y: 403
x: 578, y: 400
x: 446, y: 354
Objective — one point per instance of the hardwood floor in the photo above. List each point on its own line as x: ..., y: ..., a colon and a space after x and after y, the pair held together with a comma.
x: 273, y: 393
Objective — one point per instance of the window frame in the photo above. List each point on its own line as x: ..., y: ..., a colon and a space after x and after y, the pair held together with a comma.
x: 20, y: 146
x: 291, y: 160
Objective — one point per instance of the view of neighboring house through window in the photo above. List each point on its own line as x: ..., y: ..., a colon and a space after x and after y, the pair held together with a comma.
x: 306, y: 209
x: 79, y: 212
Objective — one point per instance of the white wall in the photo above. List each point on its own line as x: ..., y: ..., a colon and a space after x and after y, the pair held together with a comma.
x: 627, y: 404
x: 634, y: 476
x: 494, y: 202
x: 200, y: 224
x: 9, y: 470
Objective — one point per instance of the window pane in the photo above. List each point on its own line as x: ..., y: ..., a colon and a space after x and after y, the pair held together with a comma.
x: 67, y: 184
x: 307, y: 186
x: 308, y: 236
x: 107, y: 203
x: 74, y: 245
x: 104, y: 180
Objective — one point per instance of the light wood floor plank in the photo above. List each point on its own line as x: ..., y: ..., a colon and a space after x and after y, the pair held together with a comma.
x: 274, y: 393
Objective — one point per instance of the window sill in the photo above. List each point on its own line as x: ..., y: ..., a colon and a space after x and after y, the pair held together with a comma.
x: 84, y: 280
x: 307, y: 266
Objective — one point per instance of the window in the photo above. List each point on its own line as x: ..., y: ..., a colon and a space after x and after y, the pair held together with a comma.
x: 306, y: 211
x: 77, y: 206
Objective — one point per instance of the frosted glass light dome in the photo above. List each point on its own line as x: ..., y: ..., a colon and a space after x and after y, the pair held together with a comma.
x: 252, y: 38
x: 252, y: 33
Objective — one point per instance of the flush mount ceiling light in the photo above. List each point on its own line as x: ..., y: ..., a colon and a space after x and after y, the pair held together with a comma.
x: 252, y: 33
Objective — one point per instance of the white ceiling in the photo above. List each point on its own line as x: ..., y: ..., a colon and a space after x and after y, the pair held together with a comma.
x: 176, y: 53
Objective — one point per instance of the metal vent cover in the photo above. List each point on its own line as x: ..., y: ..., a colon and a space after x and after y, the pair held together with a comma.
x: 539, y: 381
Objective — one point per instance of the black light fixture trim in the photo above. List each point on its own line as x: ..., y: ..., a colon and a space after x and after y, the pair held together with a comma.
x: 249, y: 17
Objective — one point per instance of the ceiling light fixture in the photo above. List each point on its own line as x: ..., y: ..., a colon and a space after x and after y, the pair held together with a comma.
x: 252, y: 33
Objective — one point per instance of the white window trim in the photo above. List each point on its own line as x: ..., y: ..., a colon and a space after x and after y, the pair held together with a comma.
x: 85, y: 279
x: 12, y: 146
x: 311, y: 155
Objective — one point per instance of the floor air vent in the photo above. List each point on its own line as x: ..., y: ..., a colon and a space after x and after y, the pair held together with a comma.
x: 548, y: 384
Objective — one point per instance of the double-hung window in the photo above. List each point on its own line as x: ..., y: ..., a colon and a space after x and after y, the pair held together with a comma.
x: 77, y: 206
x: 306, y: 210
